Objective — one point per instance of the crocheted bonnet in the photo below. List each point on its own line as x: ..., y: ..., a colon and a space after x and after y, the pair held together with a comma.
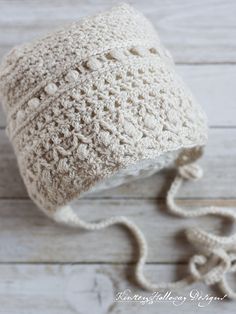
x: 93, y: 105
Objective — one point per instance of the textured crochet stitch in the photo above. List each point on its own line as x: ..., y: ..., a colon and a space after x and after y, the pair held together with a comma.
x: 93, y: 100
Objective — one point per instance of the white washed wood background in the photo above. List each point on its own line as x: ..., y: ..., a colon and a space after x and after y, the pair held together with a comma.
x: 45, y: 268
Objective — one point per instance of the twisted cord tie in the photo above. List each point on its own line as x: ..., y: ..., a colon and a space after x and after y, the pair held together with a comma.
x: 217, y: 254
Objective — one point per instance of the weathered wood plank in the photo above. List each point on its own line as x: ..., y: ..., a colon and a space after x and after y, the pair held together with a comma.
x: 27, y: 235
x: 214, y: 88
x: 219, y: 163
x: 2, y: 117
x: 89, y: 289
x: 194, y: 31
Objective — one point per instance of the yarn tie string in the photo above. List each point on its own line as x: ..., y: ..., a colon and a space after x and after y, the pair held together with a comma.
x: 216, y: 254
x: 219, y: 263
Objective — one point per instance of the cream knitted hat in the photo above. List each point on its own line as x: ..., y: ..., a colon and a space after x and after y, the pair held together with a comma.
x: 98, y: 103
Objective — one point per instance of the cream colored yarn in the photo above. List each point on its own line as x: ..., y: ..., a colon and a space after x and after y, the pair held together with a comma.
x: 97, y: 99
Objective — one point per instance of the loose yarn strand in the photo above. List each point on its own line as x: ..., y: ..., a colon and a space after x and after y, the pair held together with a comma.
x: 217, y: 252
x: 66, y: 215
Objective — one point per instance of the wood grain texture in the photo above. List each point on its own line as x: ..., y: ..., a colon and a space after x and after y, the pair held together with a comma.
x: 47, y: 268
x: 195, y: 31
x: 67, y: 289
x: 218, y: 163
x: 26, y: 235
x: 214, y: 88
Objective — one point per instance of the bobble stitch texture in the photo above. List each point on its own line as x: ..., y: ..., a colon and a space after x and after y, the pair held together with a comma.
x: 20, y: 116
x: 150, y: 121
x: 51, y: 89
x: 118, y: 55
x: 82, y: 151
x: 93, y: 64
x: 33, y: 103
x: 72, y: 76
x: 141, y: 51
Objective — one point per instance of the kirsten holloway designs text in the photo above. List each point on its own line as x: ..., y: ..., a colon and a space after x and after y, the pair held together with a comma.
x: 202, y: 300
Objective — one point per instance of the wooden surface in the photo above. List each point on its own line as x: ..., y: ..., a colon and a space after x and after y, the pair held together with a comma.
x: 46, y: 268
